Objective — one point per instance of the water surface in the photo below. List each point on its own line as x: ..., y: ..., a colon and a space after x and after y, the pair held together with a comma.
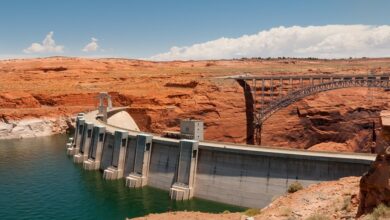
x: 38, y: 181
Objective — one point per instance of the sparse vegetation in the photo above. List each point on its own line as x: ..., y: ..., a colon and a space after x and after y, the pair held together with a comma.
x: 284, y: 58
x: 318, y: 217
x: 347, y: 203
x: 274, y: 198
x: 380, y: 212
x: 285, y: 211
x: 295, y: 186
x: 252, y: 212
x: 210, y: 64
x: 336, y: 204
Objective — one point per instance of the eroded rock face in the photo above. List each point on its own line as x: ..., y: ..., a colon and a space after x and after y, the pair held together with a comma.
x: 338, y: 120
x: 34, y: 127
x: 159, y: 94
x: 375, y: 185
x: 18, y: 100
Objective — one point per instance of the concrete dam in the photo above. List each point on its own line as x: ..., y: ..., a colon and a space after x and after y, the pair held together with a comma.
x: 109, y: 140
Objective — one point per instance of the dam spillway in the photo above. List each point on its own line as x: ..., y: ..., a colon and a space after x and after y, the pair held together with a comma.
x: 229, y: 173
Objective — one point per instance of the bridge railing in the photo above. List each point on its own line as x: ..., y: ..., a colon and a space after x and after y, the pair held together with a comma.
x: 264, y: 113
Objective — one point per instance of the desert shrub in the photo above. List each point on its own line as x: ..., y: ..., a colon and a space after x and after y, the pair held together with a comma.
x: 274, y: 198
x: 285, y: 211
x: 318, y: 217
x: 226, y: 212
x: 252, y: 212
x: 346, y: 203
x: 338, y: 204
x: 210, y: 64
x: 295, y: 186
x: 380, y: 212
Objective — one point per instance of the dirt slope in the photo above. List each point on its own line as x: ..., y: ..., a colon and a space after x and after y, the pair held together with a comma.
x: 333, y: 199
x: 327, y: 200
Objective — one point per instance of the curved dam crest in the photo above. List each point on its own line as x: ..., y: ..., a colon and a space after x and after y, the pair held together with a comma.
x: 229, y: 173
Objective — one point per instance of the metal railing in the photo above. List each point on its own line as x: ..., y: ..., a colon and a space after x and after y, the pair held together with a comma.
x: 294, y: 96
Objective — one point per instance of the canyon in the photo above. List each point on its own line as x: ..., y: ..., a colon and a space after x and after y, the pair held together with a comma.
x: 41, y: 96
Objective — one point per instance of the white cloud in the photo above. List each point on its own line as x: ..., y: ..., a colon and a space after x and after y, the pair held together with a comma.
x: 91, y: 46
x: 48, y: 46
x: 329, y: 41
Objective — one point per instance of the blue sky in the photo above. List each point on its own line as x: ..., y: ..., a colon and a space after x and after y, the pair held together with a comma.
x: 142, y: 29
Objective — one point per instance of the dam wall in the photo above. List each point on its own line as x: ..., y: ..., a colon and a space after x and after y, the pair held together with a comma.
x: 223, y: 172
x: 252, y: 179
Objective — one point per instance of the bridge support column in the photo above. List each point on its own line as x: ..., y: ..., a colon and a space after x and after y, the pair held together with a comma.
x: 82, y: 154
x: 115, y: 171
x: 183, y: 188
x: 73, y: 148
x: 95, y: 153
x: 143, y: 149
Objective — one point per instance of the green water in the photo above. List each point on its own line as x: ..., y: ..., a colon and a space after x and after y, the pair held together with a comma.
x: 38, y: 181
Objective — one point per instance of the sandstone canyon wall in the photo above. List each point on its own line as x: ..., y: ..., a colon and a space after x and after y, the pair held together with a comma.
x: 44, y: 94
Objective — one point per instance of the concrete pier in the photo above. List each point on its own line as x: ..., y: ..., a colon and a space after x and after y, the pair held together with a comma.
x: 82, y: 154
x: 116, y: 170
x: 138, y: 176
x: 75, y: 146
x: 183, y: 188
x: 95, y: 152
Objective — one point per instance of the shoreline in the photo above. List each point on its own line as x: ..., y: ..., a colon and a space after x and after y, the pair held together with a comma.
x: 35, y: 127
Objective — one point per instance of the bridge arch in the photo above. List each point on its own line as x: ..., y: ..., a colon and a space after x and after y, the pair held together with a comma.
x: 276, y: 92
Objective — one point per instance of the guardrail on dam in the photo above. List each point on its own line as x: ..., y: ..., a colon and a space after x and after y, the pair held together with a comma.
x: 227, y: 173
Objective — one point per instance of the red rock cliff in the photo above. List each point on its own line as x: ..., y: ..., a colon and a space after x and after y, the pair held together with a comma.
x: 160, y: 93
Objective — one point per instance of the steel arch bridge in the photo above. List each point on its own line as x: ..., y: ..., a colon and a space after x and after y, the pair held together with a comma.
x: 265, y: 95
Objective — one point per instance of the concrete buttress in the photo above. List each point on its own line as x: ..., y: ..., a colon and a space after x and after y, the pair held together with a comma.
x: 183, y: 187
x: 95, y: 151
x: 74, y: 148
x: 138, y: 177
x: 116, y: 170
x: 85, y: 143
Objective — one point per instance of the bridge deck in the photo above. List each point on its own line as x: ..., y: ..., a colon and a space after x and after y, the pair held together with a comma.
x: 308, y: 76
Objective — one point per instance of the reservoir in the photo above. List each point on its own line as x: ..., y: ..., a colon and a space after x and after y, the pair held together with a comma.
x: 38, y: 181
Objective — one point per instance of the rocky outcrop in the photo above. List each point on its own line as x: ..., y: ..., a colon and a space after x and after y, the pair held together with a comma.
x: 375, y: 184
x: 338, y: 120
x: 34, y: 127
x: 18, y: 100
